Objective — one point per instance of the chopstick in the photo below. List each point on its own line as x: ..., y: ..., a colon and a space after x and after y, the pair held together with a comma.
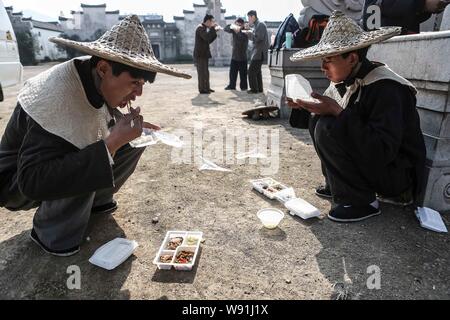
x: 129, y: 111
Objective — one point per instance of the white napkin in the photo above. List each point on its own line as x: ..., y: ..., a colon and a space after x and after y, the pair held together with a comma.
x: 209, y: 165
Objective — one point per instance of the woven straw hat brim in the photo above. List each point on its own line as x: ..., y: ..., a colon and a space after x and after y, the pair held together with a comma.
x: 99, y: 50
x: 327, y: 49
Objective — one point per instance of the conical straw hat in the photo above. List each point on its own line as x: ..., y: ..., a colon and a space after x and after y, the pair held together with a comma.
x: 126, y: 43
x: 342, y: 35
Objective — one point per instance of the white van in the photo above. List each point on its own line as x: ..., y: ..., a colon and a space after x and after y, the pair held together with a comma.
x: 10, y: 67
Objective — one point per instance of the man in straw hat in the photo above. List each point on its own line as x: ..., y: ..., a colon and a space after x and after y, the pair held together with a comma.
x: 366, y: 129
x: 65, y: 149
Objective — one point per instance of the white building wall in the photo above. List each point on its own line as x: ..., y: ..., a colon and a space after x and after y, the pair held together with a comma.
x: 111, y: 20
x: 93, y: 19
x: 77, y: 17
x: 47, y: 48
x: 68, y: 24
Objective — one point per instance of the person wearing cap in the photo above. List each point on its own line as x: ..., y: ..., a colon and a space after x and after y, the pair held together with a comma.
x: 205, y: 34
x: 260, y: 39
x: 239, y: 56
x: 366, y: 129
x: 65, y: 149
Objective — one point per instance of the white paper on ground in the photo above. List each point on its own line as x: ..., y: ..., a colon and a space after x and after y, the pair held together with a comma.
x: 252, y: 154
x: 168, y: 139
x: 430, y: 219
x: 297, y: 87
x: 113, y: 253
x: 302, y: 208
x: 209, y: 165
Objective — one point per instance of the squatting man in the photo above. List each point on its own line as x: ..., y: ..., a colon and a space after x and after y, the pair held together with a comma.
x: 366, y: 128
x: 65, y: 149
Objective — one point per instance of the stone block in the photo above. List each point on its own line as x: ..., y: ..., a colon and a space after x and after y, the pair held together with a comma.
x: 436, y: 193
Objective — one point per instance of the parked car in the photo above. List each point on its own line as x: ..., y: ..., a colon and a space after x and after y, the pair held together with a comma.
x: 10, y: 67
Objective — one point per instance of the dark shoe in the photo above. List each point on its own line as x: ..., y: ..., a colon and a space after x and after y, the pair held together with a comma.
x: 352, y: 213
x: 205, y: 92
x: 58, y: 253
x: 230, y: 88
x: 324, y: 192
x: 403, y: 200
x: 252, y: 92
x: 211, y: 90
x: 105, y: 209
x: 261, y: 91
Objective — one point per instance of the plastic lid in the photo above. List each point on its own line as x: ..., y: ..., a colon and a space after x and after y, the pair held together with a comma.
x: 113, y: 253
x: 302, y: 208
x: 431, y: 219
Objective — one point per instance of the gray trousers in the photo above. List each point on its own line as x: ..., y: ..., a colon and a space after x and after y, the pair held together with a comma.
x: 61, y: 224
x: 203, y: 74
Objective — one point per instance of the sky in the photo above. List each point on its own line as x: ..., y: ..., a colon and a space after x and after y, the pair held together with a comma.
x: 51, y: 9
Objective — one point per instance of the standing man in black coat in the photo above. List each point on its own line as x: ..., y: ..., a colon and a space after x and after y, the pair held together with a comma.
x: 204, y: 35
x: 239, y: 57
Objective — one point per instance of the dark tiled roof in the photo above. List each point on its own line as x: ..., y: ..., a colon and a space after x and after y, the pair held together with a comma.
x: 93, y: 5
x: 113, y: 12
x: 46, y: 25
x: 188, y: 11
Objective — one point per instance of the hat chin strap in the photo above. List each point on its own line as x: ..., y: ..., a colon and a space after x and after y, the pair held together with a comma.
x: 354, y: 72
x: 97, y: 84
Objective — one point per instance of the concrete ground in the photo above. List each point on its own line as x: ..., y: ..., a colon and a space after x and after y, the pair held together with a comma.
x: 313, y: 259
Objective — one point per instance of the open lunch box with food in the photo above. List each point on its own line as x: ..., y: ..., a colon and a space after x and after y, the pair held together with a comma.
x: 286, y: 195
x: 179, y: 250
x: 268, y: 187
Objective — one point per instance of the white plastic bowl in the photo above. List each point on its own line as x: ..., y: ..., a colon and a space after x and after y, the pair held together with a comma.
x: 270, y: 217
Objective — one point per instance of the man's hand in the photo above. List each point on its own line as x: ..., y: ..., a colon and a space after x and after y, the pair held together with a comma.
x: 325, y: 107
x: 123, y: 132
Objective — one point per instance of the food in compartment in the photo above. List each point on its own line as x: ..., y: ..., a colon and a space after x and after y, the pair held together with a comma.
x: 166, y: 258
x: 278, y: 187
x: 178, y: 250
x: 191, y: 240
x: 174, y: 243
x: 184, y: 257
x: 273, y: 189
